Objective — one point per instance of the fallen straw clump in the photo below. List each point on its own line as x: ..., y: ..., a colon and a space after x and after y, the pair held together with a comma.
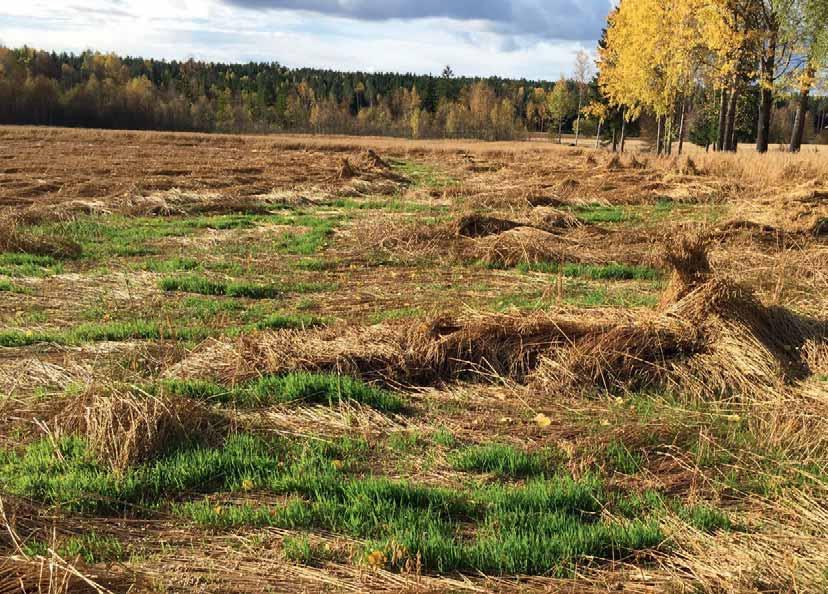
x: 126, y: 428
x: 176, y: 202
x: 403, y: 353
x: 690, y: 266
x: 479, y: 225
x: 710, y: 338
x: 521, y: 245
x: 15, y: 237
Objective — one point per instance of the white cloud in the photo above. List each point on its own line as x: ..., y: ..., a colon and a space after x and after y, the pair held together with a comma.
x: 213, y: 30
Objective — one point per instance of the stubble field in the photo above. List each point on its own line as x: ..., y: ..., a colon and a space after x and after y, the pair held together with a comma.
x: 246, y: 364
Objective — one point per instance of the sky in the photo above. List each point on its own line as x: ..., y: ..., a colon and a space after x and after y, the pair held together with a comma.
x: 535, y: 39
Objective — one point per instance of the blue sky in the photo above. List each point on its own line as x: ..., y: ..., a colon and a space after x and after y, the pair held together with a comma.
x: 514, y: 38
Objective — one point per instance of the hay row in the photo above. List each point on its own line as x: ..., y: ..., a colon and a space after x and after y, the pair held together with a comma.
x: 710, y: 336
x: 421, y: 354
x: 546, y: 235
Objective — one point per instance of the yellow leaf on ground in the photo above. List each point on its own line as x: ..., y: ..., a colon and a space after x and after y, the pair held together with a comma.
x: 376, y: 558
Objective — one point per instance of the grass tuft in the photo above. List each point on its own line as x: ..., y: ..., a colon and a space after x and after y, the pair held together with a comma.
x: 204, y: 286
x: 501, y: 459
x: 613, y: 271
x: 599, y: 213
x: 306, y: 387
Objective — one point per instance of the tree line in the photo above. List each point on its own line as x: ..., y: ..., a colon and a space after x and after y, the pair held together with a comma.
x: 107, y: 91
x: 724, y: 70
x: 718, y: 72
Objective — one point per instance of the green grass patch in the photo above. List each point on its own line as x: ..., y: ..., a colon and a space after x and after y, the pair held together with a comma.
x: 620, y: 459
x: 503, y: 460
x: 203, y: 308
x: 308, y: 242
x: 318, y: 388
x: 541, y: 527
x: 300, y: 549
x: 599, y: 213
x: 612, y: 271
x: 405, y: 441
x: 172, y: 265
x: 9, y: 287
x: 122, y: 236
x: 280, y: 321
x: 204, y: 286
x: 444, y: 437
x: 388, y: 315
x: 701, y: 516
x: 705, y: 517
x: 526, y: 301
x: 294, y: 514
x: 603, y: 297
x: 96, y: 332
x: 423, y: 175
x: 94, y: 548
x: 21, y: 265
x: 317, y: 264
x: 91, y: 547
x: 393, y: 204
x: 220, y: 222
x: 201, y: 285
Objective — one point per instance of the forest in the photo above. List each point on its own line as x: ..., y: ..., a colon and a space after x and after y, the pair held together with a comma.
x: 107, y: 91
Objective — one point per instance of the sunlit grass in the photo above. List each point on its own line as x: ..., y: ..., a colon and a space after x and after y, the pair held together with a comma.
x: 316, y: 388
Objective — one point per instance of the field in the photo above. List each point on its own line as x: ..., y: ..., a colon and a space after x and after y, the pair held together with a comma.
x: 294, y: 363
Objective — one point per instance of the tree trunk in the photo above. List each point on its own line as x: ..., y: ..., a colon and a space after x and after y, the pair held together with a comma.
x: 598, y: 136
x: 660, y: 136
x: 768, y: 66
x: 578, y: 119
x: 801, y: 111
x: 681, y: 126
x: 614, y: 140
x: 560, y: 131
x: 623, y: 130
x: 722, y: 120
x: 730, y: 120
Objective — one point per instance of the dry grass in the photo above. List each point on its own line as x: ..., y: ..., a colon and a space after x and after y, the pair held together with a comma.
x: 127, y: 428
x: 491, y: 346
x: 522, y: 245
x: 690, y: 266
x: 59, y: 576
x: 16, y: 238
x: 785, y: 553
x: 712, y: 339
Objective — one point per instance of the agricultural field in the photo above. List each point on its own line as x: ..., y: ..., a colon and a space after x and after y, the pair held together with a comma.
x: 304, y: 364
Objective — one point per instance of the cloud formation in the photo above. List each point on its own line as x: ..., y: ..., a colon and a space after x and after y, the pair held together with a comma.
x: 569, y: 20
x: 510, y: 38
